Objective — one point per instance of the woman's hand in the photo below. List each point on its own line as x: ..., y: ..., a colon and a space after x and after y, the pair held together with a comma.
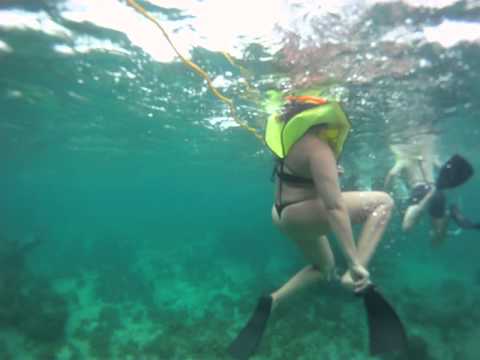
x: 357, y: 278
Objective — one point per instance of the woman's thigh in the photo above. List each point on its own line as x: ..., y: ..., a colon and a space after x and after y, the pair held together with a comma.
x: 311, y: 215
x: 304, y: 224
x: 307, y: 216
x: 361, y: 204
x: 315, y: 249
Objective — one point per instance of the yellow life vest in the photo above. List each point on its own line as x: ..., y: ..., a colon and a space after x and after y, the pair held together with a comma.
x: 281, y: 135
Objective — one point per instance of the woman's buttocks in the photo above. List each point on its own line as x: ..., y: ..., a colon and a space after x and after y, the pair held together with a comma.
x: 295, y: 193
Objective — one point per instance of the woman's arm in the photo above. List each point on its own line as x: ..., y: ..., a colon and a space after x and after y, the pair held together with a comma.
x: 324, y: 172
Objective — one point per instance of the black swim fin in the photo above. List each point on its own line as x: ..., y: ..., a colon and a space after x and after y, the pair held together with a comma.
x: 386, y: 331
x: 249, y: 337
x: 455, y: 172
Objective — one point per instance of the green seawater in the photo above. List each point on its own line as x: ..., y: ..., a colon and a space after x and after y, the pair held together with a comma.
x: 150, y: 229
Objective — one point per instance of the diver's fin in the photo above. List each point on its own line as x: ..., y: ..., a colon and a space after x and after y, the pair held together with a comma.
x: 455, y: 172
x: 249, y: 337
x: 386, y: 331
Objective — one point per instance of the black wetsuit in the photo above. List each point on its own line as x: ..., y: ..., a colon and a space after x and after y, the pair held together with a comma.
x: 438, y: 204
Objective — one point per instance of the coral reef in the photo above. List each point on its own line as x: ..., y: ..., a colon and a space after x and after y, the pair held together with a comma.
x: 418, y: 349
x: 28, y: 302
x: 44, y: 313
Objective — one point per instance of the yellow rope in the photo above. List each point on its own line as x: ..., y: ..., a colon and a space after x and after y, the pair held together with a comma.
x: 252, y: 93
x: 198, y: 70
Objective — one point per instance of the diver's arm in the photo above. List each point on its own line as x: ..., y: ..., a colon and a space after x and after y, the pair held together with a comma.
x: 414, y: 211
x: 461, y: 220
x: 324, y: 172
x: 394, y: 171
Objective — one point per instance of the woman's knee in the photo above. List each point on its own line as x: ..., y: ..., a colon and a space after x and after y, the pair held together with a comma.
x: 387, y: 201
x: 384, y: 206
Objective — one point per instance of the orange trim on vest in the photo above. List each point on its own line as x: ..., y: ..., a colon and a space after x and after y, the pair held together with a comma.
x: 308, y: 99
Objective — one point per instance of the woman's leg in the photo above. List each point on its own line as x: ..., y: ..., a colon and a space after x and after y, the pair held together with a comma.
x: 302, y: 223
x: 305, y: 223
x: 374, y: 210
x: 319, y: 253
